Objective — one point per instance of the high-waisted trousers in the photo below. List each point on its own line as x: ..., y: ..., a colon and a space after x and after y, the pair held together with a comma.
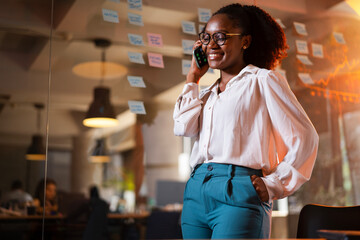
x: 220, y: 202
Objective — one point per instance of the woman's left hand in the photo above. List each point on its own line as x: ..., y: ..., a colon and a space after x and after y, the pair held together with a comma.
x: 260, y: 188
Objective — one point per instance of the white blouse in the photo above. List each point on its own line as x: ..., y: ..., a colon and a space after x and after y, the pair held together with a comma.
x: 256, y: 122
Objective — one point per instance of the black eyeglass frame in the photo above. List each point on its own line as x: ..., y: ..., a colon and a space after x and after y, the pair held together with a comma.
x: 212, y: 37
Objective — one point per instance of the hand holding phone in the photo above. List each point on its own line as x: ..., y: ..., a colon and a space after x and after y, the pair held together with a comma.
x: 200, y: 57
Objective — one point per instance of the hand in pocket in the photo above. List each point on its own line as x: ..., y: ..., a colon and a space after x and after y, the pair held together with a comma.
x: 260, y: 188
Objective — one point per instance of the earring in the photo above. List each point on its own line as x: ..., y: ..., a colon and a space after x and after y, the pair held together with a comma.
x: 244, y: 47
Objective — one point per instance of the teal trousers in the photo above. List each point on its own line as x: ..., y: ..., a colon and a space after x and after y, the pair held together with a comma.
x: 220, y: 202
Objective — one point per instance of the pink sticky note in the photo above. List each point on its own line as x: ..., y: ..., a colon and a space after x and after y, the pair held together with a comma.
x: 156, y: 60
x: 154, y: 40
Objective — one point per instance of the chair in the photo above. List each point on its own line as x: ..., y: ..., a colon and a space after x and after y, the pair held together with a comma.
x: 163, y: 225
x: 314, y: 217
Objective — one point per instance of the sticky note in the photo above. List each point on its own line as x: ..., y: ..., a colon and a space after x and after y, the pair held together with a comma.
x: 300, y: 28
x: 110, y: 15
x: 156, y: 60
x: 201, y: 28
x: 278, y: 20
x: 339, y: 37
x: 135, y: 57
x: 302, y: 47
x: 204, y: 15
x: 135, y: 19
x: 135, y: 39
x: 304, y: 59
x: 135, y: 4
x: 155, y: 40
x: 187, y: 46
x: 305, y: 78
x: 317, y: 50
x: 136, y: 81
x: 137, y: 107
x: 188, y: 27
x: 186, y: 64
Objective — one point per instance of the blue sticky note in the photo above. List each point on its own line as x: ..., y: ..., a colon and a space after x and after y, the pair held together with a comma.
x: 135, y: 57
x: 204, y: 14
x: 187, y: 46
x: 201, y: 27
x: 135, y: 4
x: 136, y: 81
x: 137, y: 107
x: 339, y: 37
x: 188, y: 27
x: 186, y: 64
x: 135, y: 39
x: 110, y: 15
x: 317, y: 50
x: 300, y: 28
x: 135, y: 19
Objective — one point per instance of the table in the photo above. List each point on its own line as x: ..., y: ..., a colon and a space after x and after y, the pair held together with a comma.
x: 140, y: 215
x: 120, y: 225
x: 128, y: 225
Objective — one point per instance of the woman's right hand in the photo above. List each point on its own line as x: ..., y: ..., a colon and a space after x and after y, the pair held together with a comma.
x: 195, y: 73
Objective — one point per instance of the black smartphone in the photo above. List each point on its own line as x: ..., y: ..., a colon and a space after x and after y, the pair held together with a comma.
x: 200, y: 57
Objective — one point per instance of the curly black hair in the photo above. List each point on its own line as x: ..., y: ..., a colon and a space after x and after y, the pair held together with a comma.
x: 268, y: 46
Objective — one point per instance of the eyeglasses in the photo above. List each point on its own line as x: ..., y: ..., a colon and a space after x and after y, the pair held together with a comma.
x: 219, y: 37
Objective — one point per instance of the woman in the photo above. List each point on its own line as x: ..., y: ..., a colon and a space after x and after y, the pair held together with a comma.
x: 254, y: 142
x: 51, y: 203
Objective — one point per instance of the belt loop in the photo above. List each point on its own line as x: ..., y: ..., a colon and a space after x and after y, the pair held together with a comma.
x: 231, y: 171
x: 194, y: 169
x: 193, y: 172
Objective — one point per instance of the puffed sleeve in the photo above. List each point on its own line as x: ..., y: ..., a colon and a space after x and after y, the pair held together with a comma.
x: 187, y: 111
x: 296, y: 139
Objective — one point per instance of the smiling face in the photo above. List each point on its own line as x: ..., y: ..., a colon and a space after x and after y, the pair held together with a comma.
x: 228, y: 57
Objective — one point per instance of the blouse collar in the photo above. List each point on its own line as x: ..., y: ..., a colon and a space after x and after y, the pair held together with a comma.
x: 246, y: 70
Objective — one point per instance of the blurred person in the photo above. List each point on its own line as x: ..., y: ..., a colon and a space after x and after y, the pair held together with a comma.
x: 16, y: 195
x: 51, y: 200
x: 96, y: 227
x: 253, y: 141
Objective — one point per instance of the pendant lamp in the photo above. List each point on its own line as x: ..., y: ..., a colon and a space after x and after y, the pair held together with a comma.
x: 36, y: 150
x: 101, y: 112
x: 99, y: 153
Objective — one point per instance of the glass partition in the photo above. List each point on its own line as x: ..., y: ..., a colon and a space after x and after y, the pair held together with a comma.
x: 24, y: 70
x: 126, y: 62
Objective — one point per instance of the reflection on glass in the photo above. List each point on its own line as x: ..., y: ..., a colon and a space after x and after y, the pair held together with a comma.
x: 142, y: 151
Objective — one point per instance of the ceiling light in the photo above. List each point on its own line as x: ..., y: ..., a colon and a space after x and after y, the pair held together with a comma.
x: 93, y: 70
x: 36, y: 150
x: 99, y: 154
x: 100, y: 69
x: 101, y: 112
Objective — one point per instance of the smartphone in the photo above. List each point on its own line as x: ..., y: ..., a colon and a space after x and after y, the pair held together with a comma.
x: 200, y: 57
